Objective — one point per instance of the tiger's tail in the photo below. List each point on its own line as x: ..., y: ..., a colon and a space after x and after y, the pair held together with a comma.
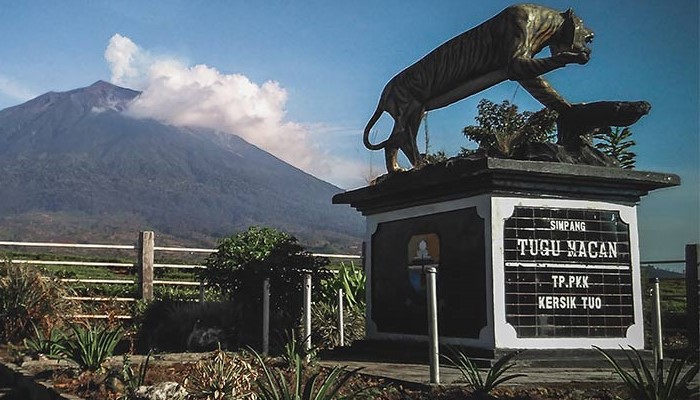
x: 370, y: 124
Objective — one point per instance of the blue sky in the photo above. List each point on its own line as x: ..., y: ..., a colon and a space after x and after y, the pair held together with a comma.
x: 315, y: 70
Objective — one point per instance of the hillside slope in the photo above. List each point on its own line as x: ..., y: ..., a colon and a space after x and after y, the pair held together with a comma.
x: 76, y: 162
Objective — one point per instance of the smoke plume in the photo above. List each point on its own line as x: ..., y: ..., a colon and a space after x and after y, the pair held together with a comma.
x: 182, y: 95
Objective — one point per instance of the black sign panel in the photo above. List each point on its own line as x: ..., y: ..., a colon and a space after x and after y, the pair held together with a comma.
x: 454, y: 241
x: 568, y: 273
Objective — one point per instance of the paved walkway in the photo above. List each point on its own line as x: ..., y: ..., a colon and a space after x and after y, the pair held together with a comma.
x: 4, y: 392
x: 420, y: 373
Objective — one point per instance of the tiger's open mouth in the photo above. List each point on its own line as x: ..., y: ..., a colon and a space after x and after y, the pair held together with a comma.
x: 587, y: 39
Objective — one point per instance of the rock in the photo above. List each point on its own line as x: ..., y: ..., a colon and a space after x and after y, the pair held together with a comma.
x: 585, y: 154
x: 161, y: 391
x: 582, y: 120
x: 114, y: 384
x: 205, y: 338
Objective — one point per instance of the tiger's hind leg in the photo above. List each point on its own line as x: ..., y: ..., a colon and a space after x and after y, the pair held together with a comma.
x: 391, y: 154
x: 408, y: 144
x: 391, y: 150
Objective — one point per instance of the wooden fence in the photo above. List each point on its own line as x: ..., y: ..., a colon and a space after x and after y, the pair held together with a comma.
x: 143, y: 252
x: 145, y: 264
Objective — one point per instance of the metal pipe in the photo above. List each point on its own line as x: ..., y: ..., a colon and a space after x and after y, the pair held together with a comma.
x: 430, y: 280
x: 266, y: 317
x: 341, y: 324
x: 307, y: 316
x: 658, y: 337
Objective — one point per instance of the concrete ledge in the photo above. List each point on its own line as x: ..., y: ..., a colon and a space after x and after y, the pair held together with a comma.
x: 25, y: 387
x: 460, y: 178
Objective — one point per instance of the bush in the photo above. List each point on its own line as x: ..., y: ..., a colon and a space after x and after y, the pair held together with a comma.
x: 28, y: 298
x: 235, y: 254
x: 177, y: 326
x: 503, y: 128
x: 244, y: 260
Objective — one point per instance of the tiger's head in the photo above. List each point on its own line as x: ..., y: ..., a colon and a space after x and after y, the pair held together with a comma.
x: 573, y: 36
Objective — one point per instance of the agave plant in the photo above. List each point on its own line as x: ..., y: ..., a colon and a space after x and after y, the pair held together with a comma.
x: 221, y: 377
x: 133, y: 380
x: 26, y: 298
x: 349, y: 278
x: 314, y: 387
x: 47, y: 345
x: 353, y: 282
x: 89, y: 346
x: 324, y: 319
x: 494, y: 375
x: 646, y: 384
x: 294, y: 349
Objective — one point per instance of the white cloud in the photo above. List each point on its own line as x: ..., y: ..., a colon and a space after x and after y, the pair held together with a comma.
x: 14, y: 90
x: 200, y: 95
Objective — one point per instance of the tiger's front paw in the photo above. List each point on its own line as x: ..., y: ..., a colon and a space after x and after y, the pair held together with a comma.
x: 570, y: 57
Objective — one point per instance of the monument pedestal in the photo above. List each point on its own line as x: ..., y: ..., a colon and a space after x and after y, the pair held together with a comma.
x: 530, y: 255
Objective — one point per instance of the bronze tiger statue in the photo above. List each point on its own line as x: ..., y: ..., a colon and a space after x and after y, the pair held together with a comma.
x: 499, y: 49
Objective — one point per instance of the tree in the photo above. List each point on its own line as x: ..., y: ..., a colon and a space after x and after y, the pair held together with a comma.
x: 434, y: 158
x: 502, y: 127
x: 244, y: 260
x: 616, y: 143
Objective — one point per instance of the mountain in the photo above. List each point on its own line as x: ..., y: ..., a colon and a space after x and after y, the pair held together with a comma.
x: 74, y: 166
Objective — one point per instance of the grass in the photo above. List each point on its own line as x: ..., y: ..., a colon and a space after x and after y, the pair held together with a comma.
x: 673, y: 295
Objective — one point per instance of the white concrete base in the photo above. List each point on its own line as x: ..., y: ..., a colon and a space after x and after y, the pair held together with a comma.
x: 499, y: 334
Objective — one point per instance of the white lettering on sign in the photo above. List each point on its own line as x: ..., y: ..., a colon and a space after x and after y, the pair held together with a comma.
x: 571, y: 281
x: 565, y: 225
x: 542, y: 247
x: 574, y: 248
x: 592, y: 302
x: 556, y: 302
x: 591, y: 249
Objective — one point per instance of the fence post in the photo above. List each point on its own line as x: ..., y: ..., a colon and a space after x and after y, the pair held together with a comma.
x: 145, y: 265
x: 692, y: 293
x: 656, y: 327
x: 341, y: 323
x: 201, y: 291
x: 307, y: 315
x: 266, y: 317
x: 431, y: 283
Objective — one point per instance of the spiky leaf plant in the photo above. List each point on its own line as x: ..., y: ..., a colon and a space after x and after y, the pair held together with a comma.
x: 133, y: 379
x: 221, y: 377
x: 295, y: 349
x: 47, y: 345
x: 324, y: 319
x: 26, y: 298
x: 493, y: 377
x: 88, y: 346
x: 316, y: 386
x: 647, y: 384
